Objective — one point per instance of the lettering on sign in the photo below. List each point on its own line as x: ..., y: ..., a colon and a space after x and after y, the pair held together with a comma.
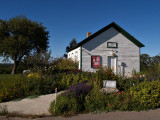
x: 111, y: 44
x: 109, y: 84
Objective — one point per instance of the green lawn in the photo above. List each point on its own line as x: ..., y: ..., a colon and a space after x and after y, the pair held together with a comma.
x: 8, y: 78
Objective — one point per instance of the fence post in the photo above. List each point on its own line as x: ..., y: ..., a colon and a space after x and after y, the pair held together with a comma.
x: 55, y: 99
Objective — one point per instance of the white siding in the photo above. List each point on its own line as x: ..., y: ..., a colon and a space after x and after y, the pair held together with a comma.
x: 75, y: 55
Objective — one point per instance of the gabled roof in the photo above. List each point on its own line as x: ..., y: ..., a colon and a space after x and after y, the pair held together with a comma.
x: 115, y: 26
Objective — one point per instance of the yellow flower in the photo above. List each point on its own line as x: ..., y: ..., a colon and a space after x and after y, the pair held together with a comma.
x: 33, y: 75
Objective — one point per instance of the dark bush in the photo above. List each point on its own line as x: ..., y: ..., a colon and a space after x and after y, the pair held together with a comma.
x: 5, y: 70
x: 95, y: 100
x: 71, y: 100
x: 119, y: 101
x: 64, y: 105
x: 124, y: 83
x: 78, y: 90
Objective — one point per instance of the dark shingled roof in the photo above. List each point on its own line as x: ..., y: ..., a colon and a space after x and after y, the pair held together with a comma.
x: 115, y: 26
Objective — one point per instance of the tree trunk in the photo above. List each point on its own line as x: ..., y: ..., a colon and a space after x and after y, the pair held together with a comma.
x: 15, y: 65
x: 14, y: 68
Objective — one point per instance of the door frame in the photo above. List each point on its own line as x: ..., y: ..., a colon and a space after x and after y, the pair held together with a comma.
x: 116, y: 57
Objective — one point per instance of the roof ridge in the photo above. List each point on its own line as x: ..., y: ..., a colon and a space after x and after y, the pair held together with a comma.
x: 118, y: 28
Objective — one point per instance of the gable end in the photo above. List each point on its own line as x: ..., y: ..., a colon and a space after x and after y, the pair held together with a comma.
x: 115, y: 26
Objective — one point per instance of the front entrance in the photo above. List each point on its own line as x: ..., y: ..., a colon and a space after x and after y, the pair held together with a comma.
x: 112, y: 63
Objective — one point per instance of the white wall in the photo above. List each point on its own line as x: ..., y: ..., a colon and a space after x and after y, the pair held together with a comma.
x: 75, y: 55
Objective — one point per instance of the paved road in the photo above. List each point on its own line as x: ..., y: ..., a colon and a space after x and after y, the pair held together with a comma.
x: 40, y: 105
x: 143, y: 115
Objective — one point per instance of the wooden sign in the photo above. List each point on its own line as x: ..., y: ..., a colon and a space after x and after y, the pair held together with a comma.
x: 95, y: 61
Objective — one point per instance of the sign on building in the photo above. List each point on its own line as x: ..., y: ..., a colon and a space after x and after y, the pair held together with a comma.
x: 95, y: 61
x: 111, y: 44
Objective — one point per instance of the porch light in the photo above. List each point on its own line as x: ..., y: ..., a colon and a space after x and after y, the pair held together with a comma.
x: 112, y: 53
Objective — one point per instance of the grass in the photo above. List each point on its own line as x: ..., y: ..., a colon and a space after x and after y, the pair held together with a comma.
x: 8, y: 78
x: 29, y: 97
x: 33, y: 96
x: 19, y: 99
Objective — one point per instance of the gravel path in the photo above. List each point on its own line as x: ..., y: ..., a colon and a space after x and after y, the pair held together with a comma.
x: 36, y: 106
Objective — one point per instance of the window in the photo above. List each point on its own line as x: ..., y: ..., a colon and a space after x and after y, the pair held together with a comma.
x: 76, y: 53
x: 95, y: 61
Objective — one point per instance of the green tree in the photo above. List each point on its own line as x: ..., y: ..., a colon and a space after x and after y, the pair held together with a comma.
x: 20, y: 36
x: 155, y: 59
x: 145, y: 62
x: 71, y: 44
x: 39, y: 62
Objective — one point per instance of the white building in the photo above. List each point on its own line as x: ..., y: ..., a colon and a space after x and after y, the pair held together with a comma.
x: 111, y: 46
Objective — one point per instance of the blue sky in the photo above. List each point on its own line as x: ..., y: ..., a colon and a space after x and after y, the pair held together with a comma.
x: 68, y: 19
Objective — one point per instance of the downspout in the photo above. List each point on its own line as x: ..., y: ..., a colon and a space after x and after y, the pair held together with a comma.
x: 80, y: 57
x: 139, y: 60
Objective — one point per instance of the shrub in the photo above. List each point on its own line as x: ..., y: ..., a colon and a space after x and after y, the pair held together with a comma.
x: 105, y: 73
x: 119, y: 101
x: 95, y: 100
x: 71, y: 100
x: 152, y: 75
x: 67, y: 80
x: 64, y: 105
x: 146, y: 95
x: 71, y: 79
x: 79, y: 92
x: 124, y: 83
x: 60, y: 64
x: 33, y: 75
x: 38, y: 62
x: 5, y: 70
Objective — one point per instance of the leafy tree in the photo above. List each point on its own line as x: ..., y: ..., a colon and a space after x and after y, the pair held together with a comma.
x: 39, y: 62
x: 145, y: 61
x: 71, y: 45
x: 148, y: 62
x: 155, y: 59
x: 20, y: 36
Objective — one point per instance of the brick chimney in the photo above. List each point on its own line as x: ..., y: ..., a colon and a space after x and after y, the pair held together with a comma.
x: 88, y: 34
